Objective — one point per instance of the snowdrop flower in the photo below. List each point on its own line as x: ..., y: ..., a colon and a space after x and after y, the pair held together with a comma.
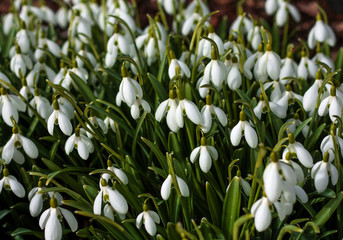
x: 202, y: 8
x: 205, y: 153
x: 268, y: 65
x: 79, y: 71
x: 234, y: 78
x: 249, y: 64
x: 51, y: 46
x: 215, y: 71
x: 241, y: 23
x: 170, y: 6
x: 210, y: 111
x: 25, y: 90
x: 275, y: 108
x: 249, y: 132
x: 81, y: 27
x: 261, y: 211
x: 110, y: 123
x: 295, y: 122
x: 236, y: 47
x: 277, y: 177
x: 288, y: 98
x: 254, y: 37
x: 33, y: 76
x: 81, y: 142
x: 65, y: 106
x: 306, y: 68
x: 40, y: 103
x: 332, y: 105
x: 182, y: 66
x: 129, y: 89
x: 24, y: 39
x: 243, y: 183
x: 277, y: 90
x: 187, y: 108
x: 151, y: 51
x: 9, y: 182
x: 117, y: 43
x: 297, y: 150
x: 191, y: 21
x: 20, y: 63
x: 321, y: 172
x: 149, y: 218
x: 117, y: 171
x: 135, y: 113
x: 321, y: 32
x: 168, y: 107
x: 296, y: 167
x: 9, y: 107
x: 166, y: 187
x: 58, y: 117
x: 62, y: 17
x: 289, y: 68
x: 271, y: 6
x: 284, y: 9
x: 115, y: 199
x: 327, y: 143
x: 321, y: 57
x: 36, y: 199
x: 205, y: 46
x: 312, y: 93
x: 17, y: 140
x: 47, y: 14
x: 51, y: 221
x: 9, y: 21
x: 4, y: 78
x: 96, y: 123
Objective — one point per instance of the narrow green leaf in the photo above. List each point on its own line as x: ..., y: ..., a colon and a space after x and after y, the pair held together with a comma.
x: 159, y: 155
x: 213, y: 205
x: 231, y: 208
x: 300, y: 128
x: 315, y: 136
x: 159, y: 88
x: 84, y: 89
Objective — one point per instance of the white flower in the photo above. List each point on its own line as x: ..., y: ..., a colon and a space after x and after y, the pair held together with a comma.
x: 332, y: 105
x: 288, y: 69
x: 79, y: 71
x: 284, y: 9
x: 215, y: 71
x: 249, y: 64
x: 33, y: 76
x: 275, y: 108
x: 117, y: 171
x: 205, y: 153
x: 296, y: 167
x: 17, y: 140
x: 9, y: 182
x: 262, y: 214
x: 297, y: 150
x: 129, y: 90
x: 241, y: 24
x: 40, y: 103
x: 271, y: 6
x: 82, y: 27
x: 81, y: 142
x: 327, y: 144
x: 188, y: 108
x: 168, y: 107
x: 166, y: 187
x: 205, y: 46
x: 254, y: 37
x: 190, y: 23
x: 9, y: 107
x: 20, y: 63
x: 278, y: 177
x: 268, y: 65
x: 311, y: 95
x: 51, y: 221
x: 321, y: 172
x: 321, y: 57
x: 96, y: 123
x: 150, y: 49
x: 321, y: 32
x: 24, y: 39
x: 58, y: 117
x: 5, y: 79
x: 306, y: 68
x: 277, y: 90
x: 234, y: 78
x: 288, y: 98
x: 107, y: 194
x: 149, y: 218
x: 117, y: 43
x: 249, y: 132
x: 36, y: 199
x: 110, y: 123
x: 295, y: 122
x: 62, y: 17
x: 177, y: 63
x: 51, y: 46
x: 169, y: 5
x: 135, y: 113
x: 210, y: 111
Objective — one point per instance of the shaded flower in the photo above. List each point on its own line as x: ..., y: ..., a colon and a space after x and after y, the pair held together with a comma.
x: 9, y: 182
x: 205, y: 153
x: 166, y: 187
x: 149, y: 218
x: 249, y: 132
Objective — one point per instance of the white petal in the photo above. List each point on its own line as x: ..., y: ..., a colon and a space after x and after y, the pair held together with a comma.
x: 29, y: 147
x: 321, y: 179
x: 205, y: 160
x: 53, y: 228
x: 236, y: 134
x: 43, y: 218
x: 161, y: 110
x: 97, y: 204
x: 263, y: 216
x: 322, y: 110
x: 220, y: 115
x: 192, y: 112
x: 183, y: 187
x: 301, y: 194
x: 166, y: 187
x: 139, y: 220
x: 303, y: 155
x: 82, y: 150
x: 69, y: 146
x: 149, y: 224
x: 64, y: 124
x: 272, y: 182
x: 194, y: 154
x: 36, y: 205
x: 155, y: 217
x: 333, y: 173
x: 250, y: 135
x: 118, y: 202
x: 71, y: 220
x: 16, y: 187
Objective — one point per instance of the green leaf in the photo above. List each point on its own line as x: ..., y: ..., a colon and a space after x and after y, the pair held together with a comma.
x: 325, y: 213
x: 137, y: 132
x: 174, y: 146
x: 91, y: 192
x: 171, y: 232
x: 315, y: 136
x: 25, y: 231
x: 231, y: 208
x: 300, y: 128
x: 84, y: 89
x: 159, y: 88
x: 339, y: 63
x: 159, y: 155
x: 4, y: 212
x: 213, y: 205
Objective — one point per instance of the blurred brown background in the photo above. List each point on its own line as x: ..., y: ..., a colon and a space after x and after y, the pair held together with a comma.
x: 308, y: 9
